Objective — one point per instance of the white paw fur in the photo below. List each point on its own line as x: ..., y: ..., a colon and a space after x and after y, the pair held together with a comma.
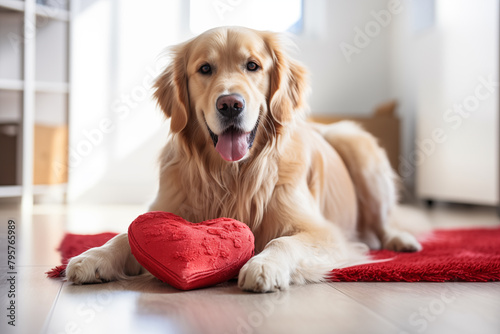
x: 93, y: 266
x: 110, y: 262
x: 260, y: 274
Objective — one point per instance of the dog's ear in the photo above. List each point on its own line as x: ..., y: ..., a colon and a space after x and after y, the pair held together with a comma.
x: 288, y: 86
x: 171, y: 90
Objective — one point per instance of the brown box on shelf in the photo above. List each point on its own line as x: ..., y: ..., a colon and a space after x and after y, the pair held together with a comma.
x: 383, y: 124
x: 9, y: 136
x: 51, y: 154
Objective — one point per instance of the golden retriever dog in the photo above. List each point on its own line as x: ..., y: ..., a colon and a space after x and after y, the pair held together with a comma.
x: 240, y: 147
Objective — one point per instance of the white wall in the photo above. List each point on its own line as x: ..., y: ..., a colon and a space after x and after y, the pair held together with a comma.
x: 116, y: 132
x: 344, y: 85
x: 354, y: 83
x: 114, y: 54
x: 408, y: 28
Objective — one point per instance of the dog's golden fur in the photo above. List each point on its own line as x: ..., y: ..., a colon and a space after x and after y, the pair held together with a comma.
x: 309, y: 193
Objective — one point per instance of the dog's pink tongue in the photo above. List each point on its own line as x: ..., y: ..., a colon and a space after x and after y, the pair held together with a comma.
x: 232, y: 146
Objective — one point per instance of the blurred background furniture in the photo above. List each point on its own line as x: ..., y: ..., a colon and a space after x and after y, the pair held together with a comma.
x: 34, y: 97
x: 383, y: 124
x: 456, y: 155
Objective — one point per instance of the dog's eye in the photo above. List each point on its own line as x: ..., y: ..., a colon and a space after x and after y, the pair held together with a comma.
x: 252, y: 66
x: 205, y: 69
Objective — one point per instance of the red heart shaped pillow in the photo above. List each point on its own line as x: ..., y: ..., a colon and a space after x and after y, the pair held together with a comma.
x: 189, y: 256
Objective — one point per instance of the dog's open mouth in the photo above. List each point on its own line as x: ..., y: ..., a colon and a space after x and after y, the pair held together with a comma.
x: 233, y: 144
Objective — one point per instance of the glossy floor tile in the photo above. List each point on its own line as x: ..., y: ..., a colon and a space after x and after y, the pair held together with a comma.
x: 141, y: 305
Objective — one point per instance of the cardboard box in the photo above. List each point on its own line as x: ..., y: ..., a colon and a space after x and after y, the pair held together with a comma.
x: 9, y: 136
x: 383, y: 124
x: 51, y: 154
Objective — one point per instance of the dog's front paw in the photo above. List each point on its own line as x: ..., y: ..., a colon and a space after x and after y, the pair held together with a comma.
x: 93, y: 266
x: 260, y: 274
x: 401, y: 242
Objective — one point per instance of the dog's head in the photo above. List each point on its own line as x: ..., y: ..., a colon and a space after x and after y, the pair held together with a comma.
x: 231, y: 86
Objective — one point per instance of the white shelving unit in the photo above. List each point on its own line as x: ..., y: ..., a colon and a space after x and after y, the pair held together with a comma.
x: 34, y: 85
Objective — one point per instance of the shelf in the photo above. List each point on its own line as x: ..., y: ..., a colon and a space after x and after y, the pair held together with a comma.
x: 10, y: 191
x: 11, y: 106
x: 9, y: 84
x: 42, y: 87
x: 40, y: 10
x: 16, y: 191
x: 34, y: 88
x: 47, y: 189
x: 52, y: 87
x: 12, y: 5
x: 52, y: 12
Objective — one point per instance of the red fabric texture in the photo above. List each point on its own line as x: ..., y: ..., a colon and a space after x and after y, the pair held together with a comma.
x: 468, y: 255
x: 471, y: 255
x: 75, y: 244
x: 190, y: 256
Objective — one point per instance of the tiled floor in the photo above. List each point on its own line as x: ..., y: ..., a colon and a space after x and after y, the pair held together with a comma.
x: 52, y: 306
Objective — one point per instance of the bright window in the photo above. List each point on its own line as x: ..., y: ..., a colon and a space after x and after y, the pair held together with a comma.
x: 274, y: 15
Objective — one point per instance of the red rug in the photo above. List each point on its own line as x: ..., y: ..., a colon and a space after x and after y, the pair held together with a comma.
x: 470, y: 255
x: 75, y: 244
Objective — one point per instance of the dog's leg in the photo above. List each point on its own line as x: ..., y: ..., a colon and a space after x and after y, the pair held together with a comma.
x: 305, y: 257
x: 110, y: 262
x: 374, y: 181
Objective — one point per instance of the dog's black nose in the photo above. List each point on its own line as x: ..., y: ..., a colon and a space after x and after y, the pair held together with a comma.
x: 231, y: 105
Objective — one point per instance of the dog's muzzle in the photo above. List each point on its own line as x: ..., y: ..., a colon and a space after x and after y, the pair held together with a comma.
x: 233, y: 143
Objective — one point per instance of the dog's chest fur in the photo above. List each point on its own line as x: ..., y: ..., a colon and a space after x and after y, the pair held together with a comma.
x: 239, y: 191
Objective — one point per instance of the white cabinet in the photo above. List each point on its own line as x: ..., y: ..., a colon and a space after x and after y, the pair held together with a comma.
x: 457, y: 148
x: 34, y: 88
